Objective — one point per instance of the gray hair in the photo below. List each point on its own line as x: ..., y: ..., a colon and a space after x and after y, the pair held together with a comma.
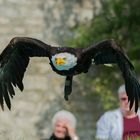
x: 63, y: 114
x: 121, y: 90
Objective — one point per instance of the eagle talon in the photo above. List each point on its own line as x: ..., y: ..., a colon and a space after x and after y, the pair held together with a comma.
x: 67, y: 93
x: 66, y: 97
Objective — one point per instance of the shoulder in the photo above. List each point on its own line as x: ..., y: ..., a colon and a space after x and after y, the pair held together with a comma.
x: 112, y: 113
x: 109, y: 116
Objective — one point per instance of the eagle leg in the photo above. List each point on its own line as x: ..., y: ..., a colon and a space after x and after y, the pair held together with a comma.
x: 68, y: 87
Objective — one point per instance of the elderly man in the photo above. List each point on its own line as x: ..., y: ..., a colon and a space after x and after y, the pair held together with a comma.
x: 64, y: 126
x: 121, y: 123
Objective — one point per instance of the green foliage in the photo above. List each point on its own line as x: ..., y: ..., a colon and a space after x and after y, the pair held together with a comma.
x: 120, y: 20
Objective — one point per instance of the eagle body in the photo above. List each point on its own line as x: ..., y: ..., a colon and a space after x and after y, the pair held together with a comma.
x: 65, y: 61
x: 74, y: 63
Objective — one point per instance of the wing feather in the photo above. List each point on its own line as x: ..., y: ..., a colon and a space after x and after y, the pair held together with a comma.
x: 108, y: 52
x: 13, y: 63
x: 1, y: 98
x: 10, y: 89
x: 6, y: 95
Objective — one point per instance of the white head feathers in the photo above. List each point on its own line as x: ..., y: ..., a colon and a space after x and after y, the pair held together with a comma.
x: 66, y: 115
x: 121, y: 90
x: 70, y: 59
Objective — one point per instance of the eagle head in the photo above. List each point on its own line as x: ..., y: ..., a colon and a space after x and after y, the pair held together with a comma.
x: 60, y: 61
x: 64, y: 61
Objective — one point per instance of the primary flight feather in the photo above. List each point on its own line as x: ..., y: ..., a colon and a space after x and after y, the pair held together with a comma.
x: 65, y: 61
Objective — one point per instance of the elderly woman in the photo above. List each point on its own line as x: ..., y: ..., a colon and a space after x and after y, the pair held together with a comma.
x: 64, y: 126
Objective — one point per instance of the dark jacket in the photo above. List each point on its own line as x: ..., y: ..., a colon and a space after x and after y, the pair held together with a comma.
x: 55, y: 138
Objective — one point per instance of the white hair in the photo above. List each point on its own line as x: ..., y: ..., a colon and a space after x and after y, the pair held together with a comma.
x: 121, y: 90
x: 66, y: 115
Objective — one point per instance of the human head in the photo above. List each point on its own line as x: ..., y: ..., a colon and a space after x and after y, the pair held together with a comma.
x: 123, y: 98
x: 59, y: 122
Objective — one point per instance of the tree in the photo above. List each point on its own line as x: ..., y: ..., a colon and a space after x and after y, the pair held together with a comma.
x: 120, y: 20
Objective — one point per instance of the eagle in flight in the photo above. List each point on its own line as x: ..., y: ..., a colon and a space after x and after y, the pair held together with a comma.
x: 65, y: 61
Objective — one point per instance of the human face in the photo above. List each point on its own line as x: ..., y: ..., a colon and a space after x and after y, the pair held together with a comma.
x: 124, y: 104
x: 60, y: 130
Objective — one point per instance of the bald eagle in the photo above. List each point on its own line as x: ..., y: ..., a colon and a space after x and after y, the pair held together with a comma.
x: 65, y: 61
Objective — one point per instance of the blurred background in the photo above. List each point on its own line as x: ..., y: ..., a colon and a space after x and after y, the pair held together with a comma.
x: 75, y: 23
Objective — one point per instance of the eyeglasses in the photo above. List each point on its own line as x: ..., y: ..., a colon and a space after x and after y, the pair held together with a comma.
x: 123, y: 99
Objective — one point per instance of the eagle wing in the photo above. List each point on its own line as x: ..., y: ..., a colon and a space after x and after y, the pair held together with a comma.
x: 13, y: 63
x: 108, y: 52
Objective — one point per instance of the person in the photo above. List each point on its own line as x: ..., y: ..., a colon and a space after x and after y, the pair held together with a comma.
x: 121, y: 123
x: 64, y: 126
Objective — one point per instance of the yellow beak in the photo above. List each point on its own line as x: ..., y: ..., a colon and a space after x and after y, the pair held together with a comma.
x: 59, y: 61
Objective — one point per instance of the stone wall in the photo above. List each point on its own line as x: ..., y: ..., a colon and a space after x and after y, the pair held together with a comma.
x: 51, y: 21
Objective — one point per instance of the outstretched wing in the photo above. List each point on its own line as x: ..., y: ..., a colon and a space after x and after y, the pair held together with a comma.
x: 13, y: 63
x: 108, y: 52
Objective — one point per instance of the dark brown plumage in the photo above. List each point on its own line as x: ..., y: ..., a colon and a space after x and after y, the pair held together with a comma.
x: 65, y: 61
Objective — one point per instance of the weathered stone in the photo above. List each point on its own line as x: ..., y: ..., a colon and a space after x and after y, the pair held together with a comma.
x: 32, y: 110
